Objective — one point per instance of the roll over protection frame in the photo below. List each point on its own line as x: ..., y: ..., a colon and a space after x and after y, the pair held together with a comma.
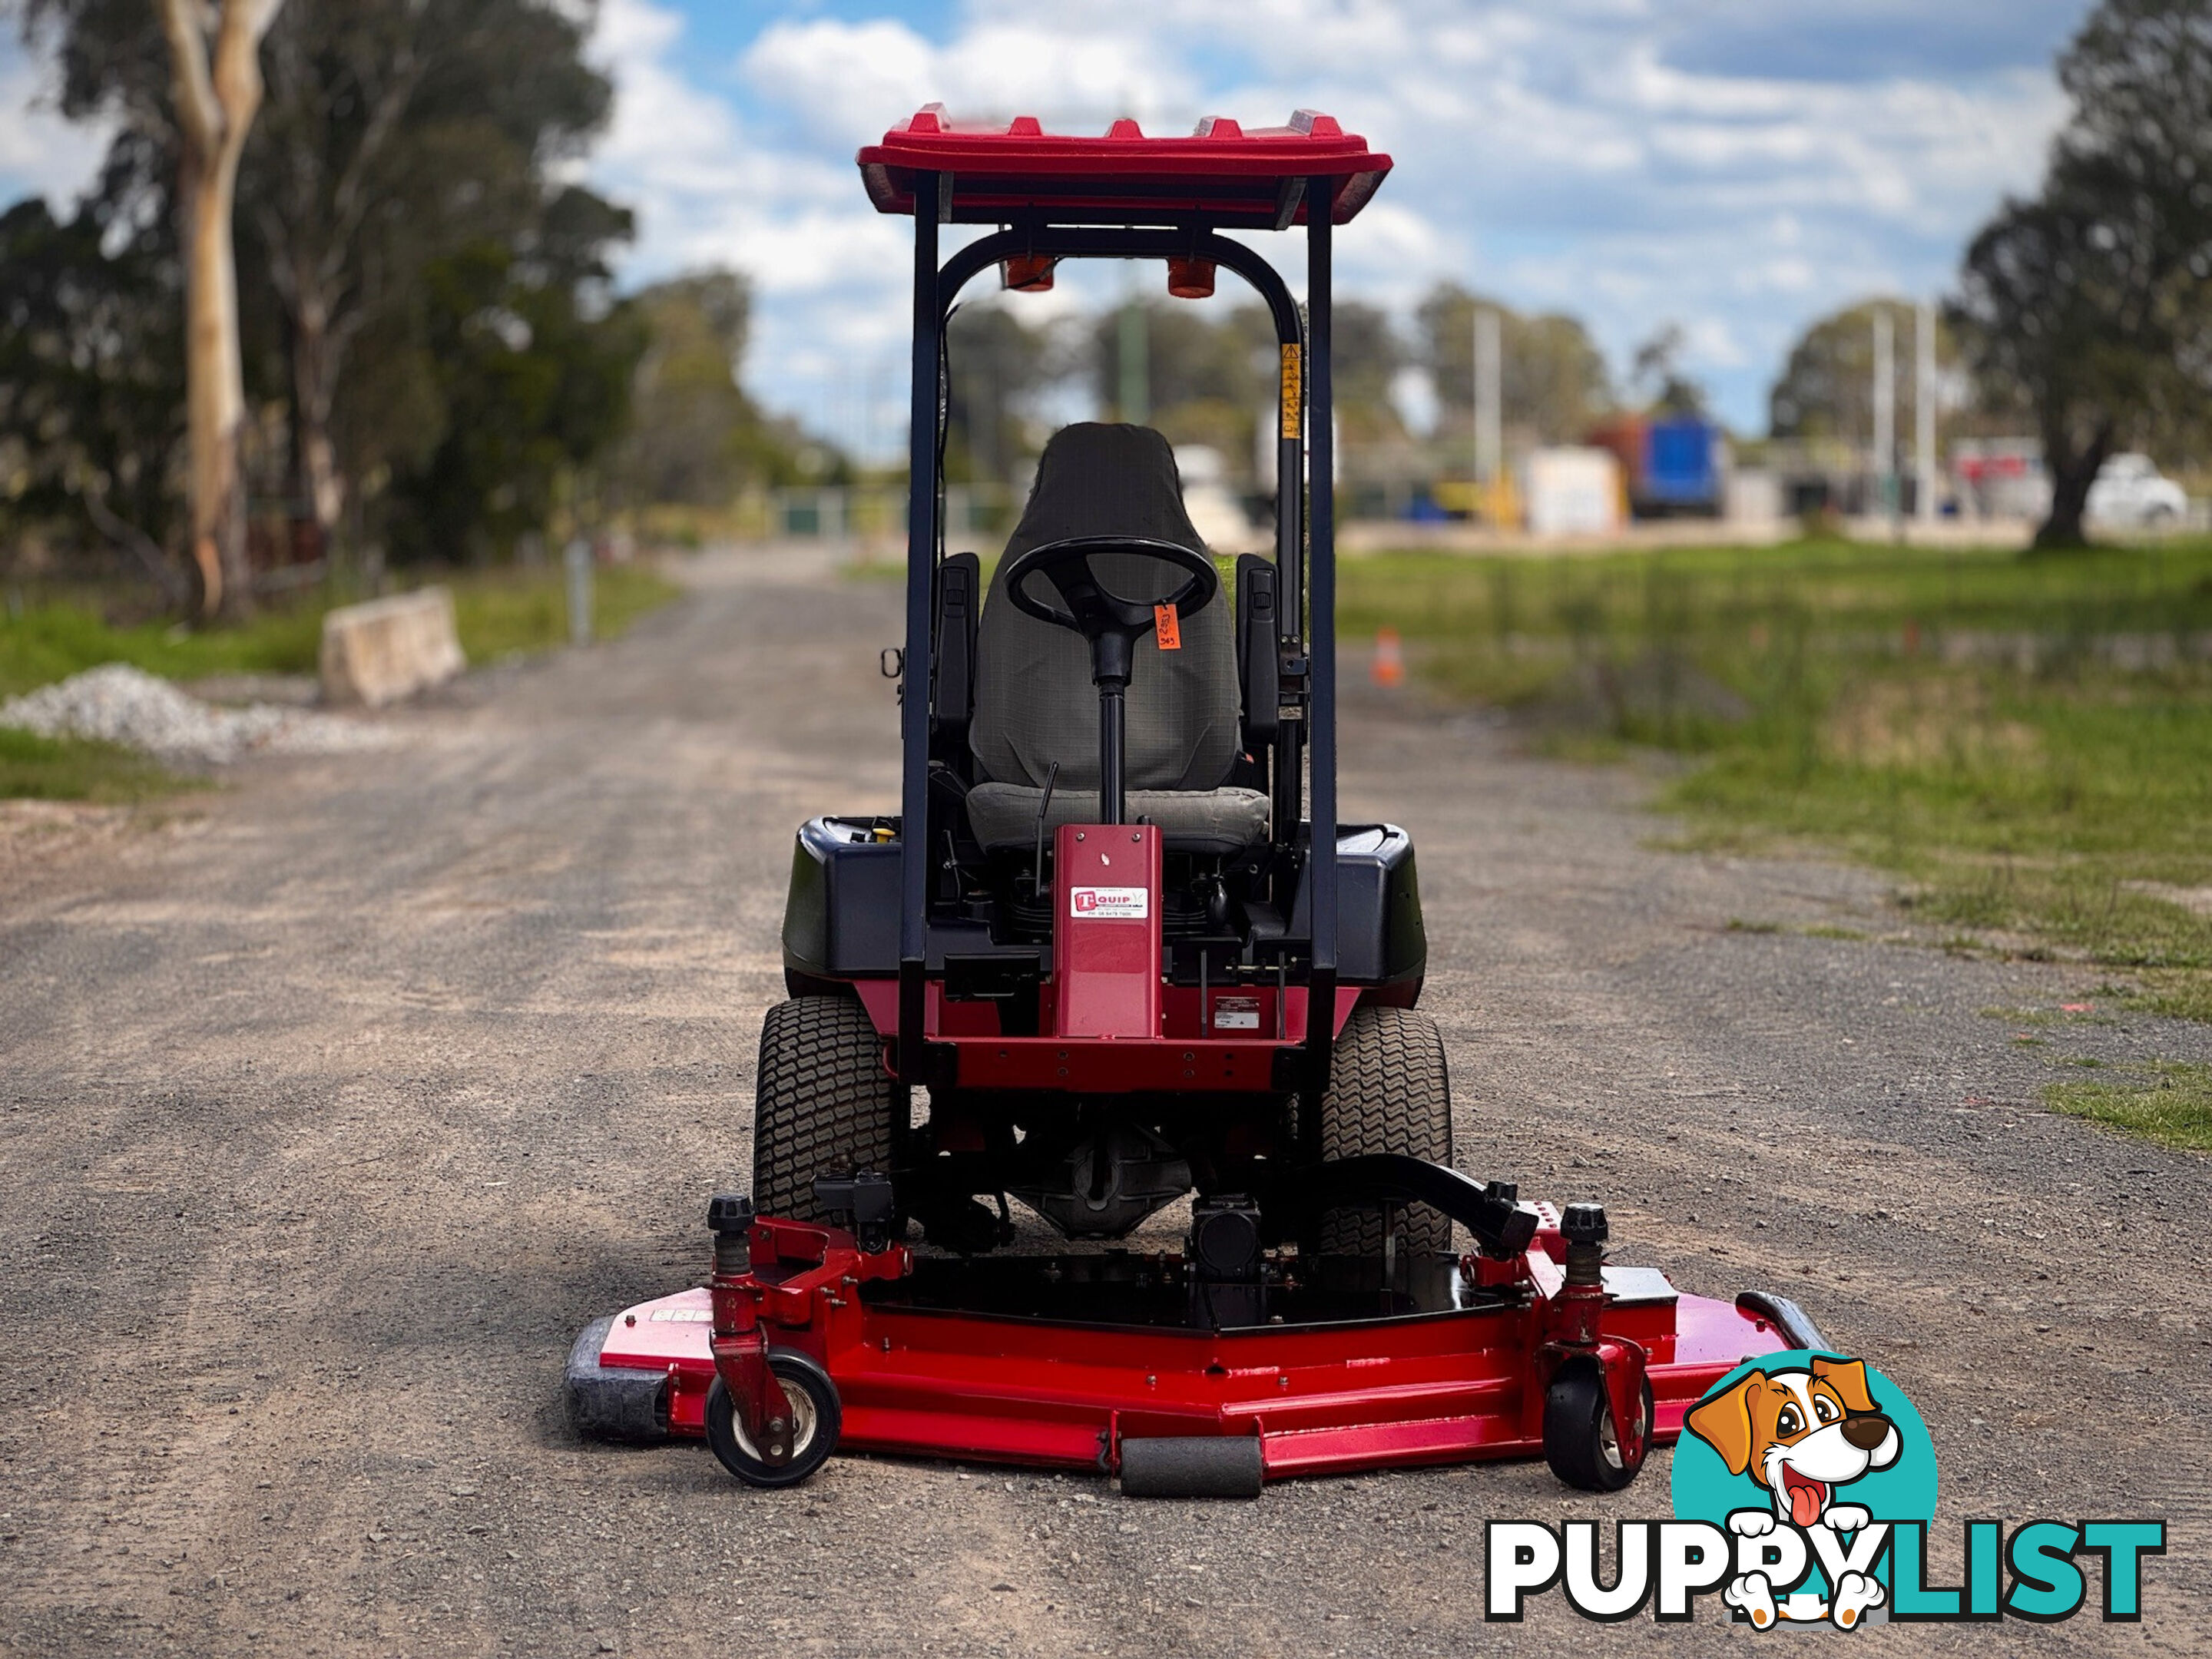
x: 1304, y: 561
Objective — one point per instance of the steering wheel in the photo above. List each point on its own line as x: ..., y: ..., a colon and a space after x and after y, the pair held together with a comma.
x: 1094, y: 611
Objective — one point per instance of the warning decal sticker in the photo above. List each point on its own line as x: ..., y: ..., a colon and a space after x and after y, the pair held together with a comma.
x: 1237, y: 1014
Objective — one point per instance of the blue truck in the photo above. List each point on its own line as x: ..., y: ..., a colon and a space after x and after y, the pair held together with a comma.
x: 1683, y: 458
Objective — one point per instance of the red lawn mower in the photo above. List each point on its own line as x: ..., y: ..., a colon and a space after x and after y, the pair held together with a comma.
x: 1098, y: 936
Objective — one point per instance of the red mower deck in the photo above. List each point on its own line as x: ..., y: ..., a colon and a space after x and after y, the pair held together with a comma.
x: 1320, y: 1368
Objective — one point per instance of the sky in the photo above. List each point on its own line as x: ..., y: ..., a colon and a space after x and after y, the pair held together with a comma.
x: 1737, y: 167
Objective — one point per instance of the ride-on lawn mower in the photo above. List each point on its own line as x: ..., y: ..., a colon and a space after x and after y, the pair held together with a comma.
x: 1098, y: 936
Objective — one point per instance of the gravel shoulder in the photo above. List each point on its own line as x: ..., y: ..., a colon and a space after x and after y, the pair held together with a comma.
x: 335, y: 1103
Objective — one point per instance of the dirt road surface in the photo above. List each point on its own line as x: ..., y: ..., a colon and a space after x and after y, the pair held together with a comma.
x: 332, y: 1109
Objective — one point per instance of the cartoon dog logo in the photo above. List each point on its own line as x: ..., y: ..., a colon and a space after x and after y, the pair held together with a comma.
x: 1801, y: 1434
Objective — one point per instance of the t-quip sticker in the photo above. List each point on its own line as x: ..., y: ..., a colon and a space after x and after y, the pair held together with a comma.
x: 1109, y: 904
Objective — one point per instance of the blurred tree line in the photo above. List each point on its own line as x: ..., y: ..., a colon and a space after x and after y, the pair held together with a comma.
x: 436, y: 363
x: 1825, y: 389
x: 1208, y: 374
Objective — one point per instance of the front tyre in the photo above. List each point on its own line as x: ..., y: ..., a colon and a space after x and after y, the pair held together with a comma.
x: 823, y: 1104
x: 816, y: 1419
x: 1389, y: 1091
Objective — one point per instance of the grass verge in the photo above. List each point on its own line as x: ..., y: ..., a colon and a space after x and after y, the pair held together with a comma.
x: 504, y: 613
x: 49, y: 642
x: 497, y: 613
x: 2168, y: 1102
x: 32, y: 768
x: 2023, y: 740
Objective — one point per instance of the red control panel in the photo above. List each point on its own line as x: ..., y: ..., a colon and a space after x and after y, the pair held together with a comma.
x: 1106, y: 933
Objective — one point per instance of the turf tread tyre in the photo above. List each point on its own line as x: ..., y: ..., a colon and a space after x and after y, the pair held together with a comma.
x: 1389, y: 1091
x: 823, y: 1103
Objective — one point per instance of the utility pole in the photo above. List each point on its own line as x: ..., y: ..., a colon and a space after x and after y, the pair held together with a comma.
x: 1924, y: 413
x: 1489, y: 407
x: 1885, y: 412
x: 1136, y: 399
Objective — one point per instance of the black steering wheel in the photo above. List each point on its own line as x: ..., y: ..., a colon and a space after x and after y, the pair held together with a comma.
x: 1094, y: 611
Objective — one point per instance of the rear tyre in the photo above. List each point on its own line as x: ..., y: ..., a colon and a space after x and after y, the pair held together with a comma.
x: 823, y: 1103
x: 1388, y: 1091
x: 816, y: 1420
x: 1580, y: 1441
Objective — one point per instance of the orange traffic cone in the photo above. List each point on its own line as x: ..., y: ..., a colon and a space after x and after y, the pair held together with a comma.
x: 1389, y: 668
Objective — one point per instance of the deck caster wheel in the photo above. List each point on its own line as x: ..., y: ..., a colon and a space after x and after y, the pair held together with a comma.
x: 1581, y: 1442
x: 815, y: 1421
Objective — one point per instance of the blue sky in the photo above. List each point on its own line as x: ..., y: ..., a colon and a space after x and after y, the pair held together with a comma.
x: 1736, y: 167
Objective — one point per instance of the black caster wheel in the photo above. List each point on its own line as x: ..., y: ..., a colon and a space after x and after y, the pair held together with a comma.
x: 815, y: 1421
x: 1581, y: 1442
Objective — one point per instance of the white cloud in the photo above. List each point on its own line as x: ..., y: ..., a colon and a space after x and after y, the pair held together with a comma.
x: 40, y: 154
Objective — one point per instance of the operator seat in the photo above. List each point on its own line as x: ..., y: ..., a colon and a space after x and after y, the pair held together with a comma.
x: 1035, y: 703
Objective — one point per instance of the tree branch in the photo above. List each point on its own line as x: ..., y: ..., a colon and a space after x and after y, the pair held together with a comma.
x: 237, y: 71
x: 348, y: 204
x: 130, y: 536
x: 198, y: 112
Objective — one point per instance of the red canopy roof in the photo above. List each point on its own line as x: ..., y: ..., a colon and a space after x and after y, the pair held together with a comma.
x: 1223, y: 173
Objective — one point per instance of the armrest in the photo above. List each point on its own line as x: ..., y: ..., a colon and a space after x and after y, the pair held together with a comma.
x: 1259, y: 657
x: 959, y: 607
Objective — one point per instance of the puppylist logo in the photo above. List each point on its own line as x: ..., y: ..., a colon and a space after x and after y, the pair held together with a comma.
x: 1804, y: 1487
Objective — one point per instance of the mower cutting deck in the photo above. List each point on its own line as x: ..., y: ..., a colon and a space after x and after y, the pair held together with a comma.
x: 1119, y: 934
x: 1197, y: 1373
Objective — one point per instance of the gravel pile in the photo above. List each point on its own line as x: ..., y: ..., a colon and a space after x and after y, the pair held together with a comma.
x: 122, y: 704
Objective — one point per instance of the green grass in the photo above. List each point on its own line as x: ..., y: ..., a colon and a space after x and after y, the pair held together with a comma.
x: 50, y: 643
x: 32, y: 768
x: 497, y: 613
x: 502, y: 613
x: 2026, y: 741
x: 2167, y: 1101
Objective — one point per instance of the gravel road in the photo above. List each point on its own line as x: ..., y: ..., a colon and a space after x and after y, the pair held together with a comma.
x: 333, y: 1104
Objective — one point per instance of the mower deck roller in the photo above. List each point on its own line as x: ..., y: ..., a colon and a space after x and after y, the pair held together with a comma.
x: 1119, y: 934
x: 1193, y: 1466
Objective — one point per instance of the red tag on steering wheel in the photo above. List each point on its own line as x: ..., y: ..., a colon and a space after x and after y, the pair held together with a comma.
x: 1168, y: 626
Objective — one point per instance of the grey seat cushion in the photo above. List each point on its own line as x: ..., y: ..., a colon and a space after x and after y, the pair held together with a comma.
x: 1035, y: 703
x: 1212, y: 821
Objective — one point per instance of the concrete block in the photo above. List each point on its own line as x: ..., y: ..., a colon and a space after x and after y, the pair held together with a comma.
x: 387, y: 649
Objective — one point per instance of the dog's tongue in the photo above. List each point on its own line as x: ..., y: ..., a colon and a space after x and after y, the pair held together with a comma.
x: 1804, y: 1499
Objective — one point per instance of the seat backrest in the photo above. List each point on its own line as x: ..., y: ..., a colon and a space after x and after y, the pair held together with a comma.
x: 1035, y: 703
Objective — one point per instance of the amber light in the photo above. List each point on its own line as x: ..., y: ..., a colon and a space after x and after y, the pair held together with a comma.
x: 1031, y: 273
x: 1191, y: 279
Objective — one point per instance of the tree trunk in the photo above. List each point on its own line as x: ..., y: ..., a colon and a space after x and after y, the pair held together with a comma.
x: 218, y: 89
x: 2072, y: 473
x: 215, y: 392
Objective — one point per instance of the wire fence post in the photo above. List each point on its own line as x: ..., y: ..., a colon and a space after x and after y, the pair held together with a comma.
x: 578, y: 558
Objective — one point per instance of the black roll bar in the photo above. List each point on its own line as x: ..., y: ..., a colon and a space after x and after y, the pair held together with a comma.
x: 913, y: 684
x: 1075, y: 242
x: 1320, y: 873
